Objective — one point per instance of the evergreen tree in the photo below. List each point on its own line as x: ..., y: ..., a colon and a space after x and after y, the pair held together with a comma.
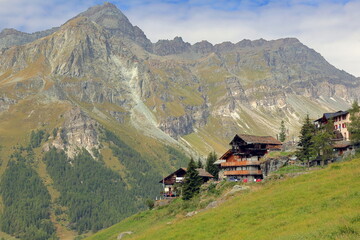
x: 210, y: 167
x: 306, y: 150
x: 354, y: 126
x: 192, y: 182
x: 323, y: 141
x: 282, y: 134
x: 199, y: 164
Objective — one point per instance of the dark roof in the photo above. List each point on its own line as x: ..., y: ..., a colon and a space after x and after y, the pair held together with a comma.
x: 342, y: 144
x: 327, y: 116
x: 227, y: 154
x: 249, y: 139
x: 202, y: 173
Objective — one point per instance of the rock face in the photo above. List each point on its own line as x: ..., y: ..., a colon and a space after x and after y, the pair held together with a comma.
x: 113, y: 20
x: 272, y: 165
x: 11, y: 37
x: 78, y: 131
x: 171, y: 89
x: 5, y: 103
x: 169, y: 47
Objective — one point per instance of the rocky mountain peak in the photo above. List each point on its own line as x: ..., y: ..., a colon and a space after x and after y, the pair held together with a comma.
x: 10, y: 31
x: 113, y: 20
x: 168, y: 47
x: 203, y: 47
x: 109, y: 16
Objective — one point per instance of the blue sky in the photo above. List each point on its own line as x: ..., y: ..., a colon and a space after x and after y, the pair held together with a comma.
x: 331, y: 27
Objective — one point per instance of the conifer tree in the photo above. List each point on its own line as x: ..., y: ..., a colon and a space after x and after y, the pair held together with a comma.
x: 210, y: 167
x: 323, y: 141
x: 282, y: 134
x: 199, y: 164
x: 306, y: 150
x: 192, y: 182
x: 354, y: 126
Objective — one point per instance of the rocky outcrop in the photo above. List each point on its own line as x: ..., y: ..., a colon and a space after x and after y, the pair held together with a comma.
x: 273, y: 164
x: 112, y: 19
x: 78, y: 131
x: 203, y: 47
x: 5, y: 103
x: 168, y: 47
x: 11, y: 37
x: 177, y: 126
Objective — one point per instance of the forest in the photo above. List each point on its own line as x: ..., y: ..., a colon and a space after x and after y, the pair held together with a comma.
x: 92, y: 196
x: 26, y: 202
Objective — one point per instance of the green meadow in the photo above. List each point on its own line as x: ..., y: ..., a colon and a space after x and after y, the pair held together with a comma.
x: 316, y: 204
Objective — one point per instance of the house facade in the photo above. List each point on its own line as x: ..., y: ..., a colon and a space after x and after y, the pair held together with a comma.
x: 341, y: 120
x: 242, y: 160
x: 178, y: 177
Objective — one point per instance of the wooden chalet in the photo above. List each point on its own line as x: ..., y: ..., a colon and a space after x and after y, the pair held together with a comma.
x: 242, y: 161
x: 178, y: 177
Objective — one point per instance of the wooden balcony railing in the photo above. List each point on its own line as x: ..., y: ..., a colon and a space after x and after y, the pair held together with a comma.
x: 243, y: 172
x: 240, y: 163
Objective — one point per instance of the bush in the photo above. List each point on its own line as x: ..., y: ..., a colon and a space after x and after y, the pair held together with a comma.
x: 150, y: 203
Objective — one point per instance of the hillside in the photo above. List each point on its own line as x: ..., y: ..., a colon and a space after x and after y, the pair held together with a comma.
x: 95, y: 100
x: 322, y: 204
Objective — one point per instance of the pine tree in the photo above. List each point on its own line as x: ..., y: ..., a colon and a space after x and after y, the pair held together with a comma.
x: 192, y: 182
x: 282, y: 134
x: 354, y: 126
x: 306, y: 151
x: 323, y: 141
x: 210, y: 167
x: 199, y: 164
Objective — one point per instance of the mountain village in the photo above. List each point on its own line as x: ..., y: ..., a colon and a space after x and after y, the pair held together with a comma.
x: 245, y: 159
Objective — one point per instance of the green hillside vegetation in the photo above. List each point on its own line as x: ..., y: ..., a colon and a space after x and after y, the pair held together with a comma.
x: 320, y: 204
x: 26, y: 212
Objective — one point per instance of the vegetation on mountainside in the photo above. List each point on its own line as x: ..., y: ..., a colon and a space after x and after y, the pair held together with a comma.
x: 282, y: 134
x: 96, y: 196
x: 26, y: 212
x: 318, y: 205
x: 192, y: 182
x: 36, y: 138
x: 354, y: 126
x: 306, y: 144
x: 323, y: 141
x: 141, y: 174
x: 315, y: 142
x: 210, y: 167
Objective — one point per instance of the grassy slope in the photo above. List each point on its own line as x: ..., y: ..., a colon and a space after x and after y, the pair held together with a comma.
x: 323, y: 204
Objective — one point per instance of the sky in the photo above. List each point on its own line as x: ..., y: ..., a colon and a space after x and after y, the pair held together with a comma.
x: 330, y: 27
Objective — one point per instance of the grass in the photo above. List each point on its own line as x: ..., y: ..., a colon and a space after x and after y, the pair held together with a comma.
x: 322, y: 204
x: 290, y: 169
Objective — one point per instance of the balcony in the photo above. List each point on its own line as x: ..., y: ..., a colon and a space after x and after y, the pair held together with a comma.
x: 243, y: 172
x: 240, y: 163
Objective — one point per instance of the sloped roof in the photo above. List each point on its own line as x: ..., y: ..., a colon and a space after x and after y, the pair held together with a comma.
x: 227, y: 154
x: 202, y: 173
x: 342, y: 144
x: 258, y: 139
x: 332, y: 115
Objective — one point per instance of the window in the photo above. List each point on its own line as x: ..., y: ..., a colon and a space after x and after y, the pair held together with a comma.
x: 343, y: 125
x: 344, y: 117
x: 339, y: 126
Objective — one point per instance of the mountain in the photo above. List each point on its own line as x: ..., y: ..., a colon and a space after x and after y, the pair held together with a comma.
x: 97, y: 90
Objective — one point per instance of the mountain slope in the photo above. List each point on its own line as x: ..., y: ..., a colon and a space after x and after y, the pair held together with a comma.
x: 98, y: 85
x: 322, y: 204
